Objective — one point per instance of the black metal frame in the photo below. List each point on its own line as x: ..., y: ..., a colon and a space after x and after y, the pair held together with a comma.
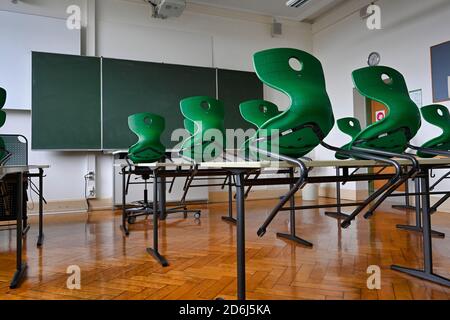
x: 40, y: 176
x: 241, y: 183
x: 418, y: 225
x: 418, y: 219
x: 229, y: 182
x: 162, y: 210
x: 21, y: 266
x: 292, y: 235
x: 427, y: 273
x: 379, y: 156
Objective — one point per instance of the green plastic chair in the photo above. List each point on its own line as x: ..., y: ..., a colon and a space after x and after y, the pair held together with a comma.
x: 351, y: 127
x: 148, y: 127
x: 389, y: 137
x: 310, y: 104
x: 3, y: 152
x: 403, y: 120
x: 438, y: 116
x: 204, y: 120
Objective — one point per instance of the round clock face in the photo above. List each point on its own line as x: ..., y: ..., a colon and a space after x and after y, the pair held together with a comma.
x: 374, y: 59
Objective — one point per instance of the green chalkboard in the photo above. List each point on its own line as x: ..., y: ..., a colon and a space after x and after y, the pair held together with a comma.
x: 69, y: 114
x: 66, y: 102
x: 131, y: 87
x: 235, y: 87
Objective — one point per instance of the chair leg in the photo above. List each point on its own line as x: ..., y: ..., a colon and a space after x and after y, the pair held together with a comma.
x: 292, y: 236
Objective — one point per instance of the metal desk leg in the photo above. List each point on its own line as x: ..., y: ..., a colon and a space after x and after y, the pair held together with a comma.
x: 418, y: 226
x: 407, y: 205
x: 124, y: 226
x: 292, y: 236
x: 427, y: 273
x: 338, y: 214
x: 20, y: 266
x: 41, y: 208
x: 240, y: 206
x: 230, y: 218
x: 154, y: 252
x: 162, y: 198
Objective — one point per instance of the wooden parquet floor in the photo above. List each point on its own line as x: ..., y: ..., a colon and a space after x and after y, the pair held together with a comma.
x: 202, y: 258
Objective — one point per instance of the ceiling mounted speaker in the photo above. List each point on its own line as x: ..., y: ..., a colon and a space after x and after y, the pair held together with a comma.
x: 277, y: 29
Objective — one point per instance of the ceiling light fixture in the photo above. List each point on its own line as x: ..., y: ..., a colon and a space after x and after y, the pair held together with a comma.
x: 296, y: 3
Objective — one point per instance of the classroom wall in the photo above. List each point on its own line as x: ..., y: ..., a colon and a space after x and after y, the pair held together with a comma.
x: 124, y: 29
x: 409, y: 28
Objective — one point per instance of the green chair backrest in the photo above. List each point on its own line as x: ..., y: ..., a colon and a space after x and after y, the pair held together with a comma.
x: 148, y: 127
x: 402, y: 122
x: 3, y: 153
x: 351, y: 127
x: 438, y: 116
x: 258, y: 112
x: 204, y: 120
x: 310, y: 104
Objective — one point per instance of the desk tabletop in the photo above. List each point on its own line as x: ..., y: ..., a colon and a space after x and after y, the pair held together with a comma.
x: 231, y: 162
x: 317, y: 164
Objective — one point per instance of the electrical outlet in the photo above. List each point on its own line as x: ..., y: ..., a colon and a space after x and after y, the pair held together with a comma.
x: 91, y: 177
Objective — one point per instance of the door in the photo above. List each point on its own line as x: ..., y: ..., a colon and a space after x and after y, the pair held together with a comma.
x: 377, y: 112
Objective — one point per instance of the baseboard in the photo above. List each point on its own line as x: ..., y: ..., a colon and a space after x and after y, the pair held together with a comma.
x: 56, y: 207
x: 351, y: 195
x: 100, y: 204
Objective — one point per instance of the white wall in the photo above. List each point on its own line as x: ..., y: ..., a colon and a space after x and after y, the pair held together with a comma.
x: 123, y: 29
x: 409, y: 29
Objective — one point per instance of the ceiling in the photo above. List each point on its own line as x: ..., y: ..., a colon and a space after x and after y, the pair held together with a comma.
x: 277, y: 8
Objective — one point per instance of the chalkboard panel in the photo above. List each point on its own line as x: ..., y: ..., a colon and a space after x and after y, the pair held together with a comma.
x: 234, y: 88
x: 69, y: 114
x: 440, y: 69
x: 131, y: 87
x: 66, y: 102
